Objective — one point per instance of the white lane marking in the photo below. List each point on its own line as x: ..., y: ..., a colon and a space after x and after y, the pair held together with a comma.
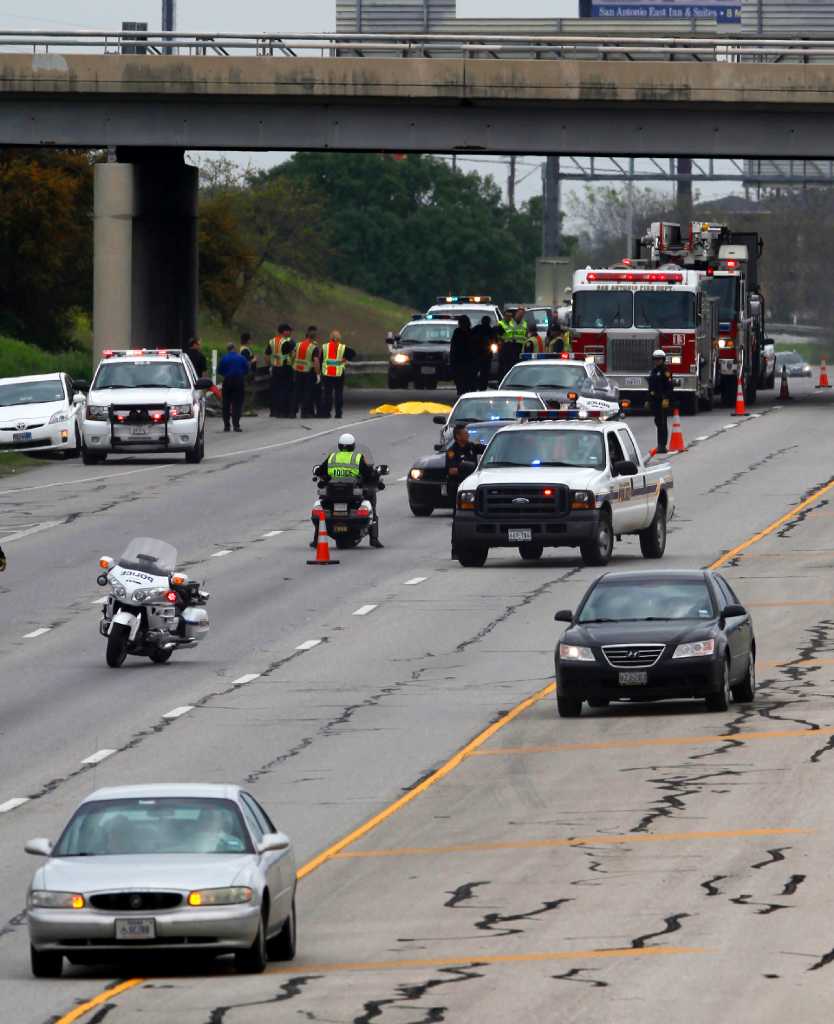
x: 28, y: 532
x: 729, y: 426
x: 243, y: 680
x: 100, y: 755
x: 308, y: 645
x: 415, y: 581
x: 273, y: 533
x: 401, y: 478
x: 704, y: 437
x: 16, y: 801
x: 178, y: 712
x: 36, y: 633
x: 99, y: 600
x: 77, y: 482
x: 366, y: 609
x: 220, y: 554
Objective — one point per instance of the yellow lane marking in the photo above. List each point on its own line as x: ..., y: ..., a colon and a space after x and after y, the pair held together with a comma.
x: 547, y: 844
x: 492, y: 958
x: 102, y: 997
x: 786, y: 518
x: 802, y: 663
x: 654, y: 741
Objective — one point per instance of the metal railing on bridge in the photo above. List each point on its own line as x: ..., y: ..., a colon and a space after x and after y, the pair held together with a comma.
x: 608, y: 46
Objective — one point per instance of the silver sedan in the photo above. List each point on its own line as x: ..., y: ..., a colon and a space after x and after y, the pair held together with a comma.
x: 196, y: 868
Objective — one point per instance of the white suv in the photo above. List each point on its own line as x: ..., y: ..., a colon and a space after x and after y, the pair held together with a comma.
x: 144, y: 400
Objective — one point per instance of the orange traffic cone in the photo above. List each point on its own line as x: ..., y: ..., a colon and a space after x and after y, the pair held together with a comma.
x: 740, y: 408
x: 784, y: 394
x: 823, y: 375
x: 676, y: 441
x: 323, y: 546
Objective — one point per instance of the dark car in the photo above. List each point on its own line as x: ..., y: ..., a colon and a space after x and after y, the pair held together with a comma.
x: 656, y: 635
x: 419, y: 354
x: 556, y: 379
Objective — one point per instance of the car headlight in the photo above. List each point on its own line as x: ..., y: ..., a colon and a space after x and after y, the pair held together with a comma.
x: 119, y: 590
x: 56, y: 900
x: 58, y: 417
x: 401, y: 358
x: 466, y: 499
x: 416, y: 474
x: 725, y: 343
x: 179, y: 412
x: 96, y: 412
x: 696, y: 649
x: 570, y: 652
x: 583, y: 500
x: 149, y: 596
x: 493, y: 347
x: 220, y: 897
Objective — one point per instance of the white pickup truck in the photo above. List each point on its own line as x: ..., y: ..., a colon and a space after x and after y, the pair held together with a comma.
x: 547, y: 483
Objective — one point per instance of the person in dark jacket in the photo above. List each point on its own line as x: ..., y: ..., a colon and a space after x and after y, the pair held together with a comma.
x: 234, y: 369
x: 461, y: 361
x: 461, y: 458
x: 2, y: 560
x: 484, y: 336
x: 195, y: 354
x: 661, y: 391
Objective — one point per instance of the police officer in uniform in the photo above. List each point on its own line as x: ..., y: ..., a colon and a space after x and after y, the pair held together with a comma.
x: 515, y: 336
x: 348, y: 464
x: 334, y: 356
x: 461, y: 458
x: 307, y: 367
x: 661, y: 390
x: 279, y: 353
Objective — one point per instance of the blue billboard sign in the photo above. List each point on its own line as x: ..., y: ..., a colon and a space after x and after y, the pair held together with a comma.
x: 720, y: 10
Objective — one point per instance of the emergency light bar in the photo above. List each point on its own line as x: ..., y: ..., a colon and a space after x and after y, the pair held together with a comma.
x: 112, y: 353
x: 653, y: 277
x: 549, y: 415
x: 461, y: 299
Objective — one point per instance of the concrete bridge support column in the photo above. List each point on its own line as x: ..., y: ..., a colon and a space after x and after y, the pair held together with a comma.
x: 145, y: 277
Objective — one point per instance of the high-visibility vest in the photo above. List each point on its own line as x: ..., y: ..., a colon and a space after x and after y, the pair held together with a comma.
x: 278, y: 358
x: 518, y: 331
x: 535, y: 344
x: 304, y: 356
x: 333, y: 364
x: 344, y: 465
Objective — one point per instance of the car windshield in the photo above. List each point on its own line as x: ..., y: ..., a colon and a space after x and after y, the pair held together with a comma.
x: 31, y: 392
x: 152, y: 374
x: 626, y: 600
x: 601, y: 309
x: 534, y: 375
x: 473, y: 410
x: 725, y: 290
x: 426, y: 334
x: 529, y: 447
x: 664, y: 310
x: 144, y: 554
x: 149, y: 825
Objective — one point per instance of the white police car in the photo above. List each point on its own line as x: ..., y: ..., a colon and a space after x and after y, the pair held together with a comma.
x: 144, y: 400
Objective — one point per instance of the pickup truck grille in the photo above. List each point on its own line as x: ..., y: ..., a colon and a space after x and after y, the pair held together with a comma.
x: 630, y: 352
x: 139, y: 415
x: 507, y: 501
x: 633, y: 655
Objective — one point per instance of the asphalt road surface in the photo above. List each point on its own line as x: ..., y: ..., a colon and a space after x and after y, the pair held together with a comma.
x: 644, y: 862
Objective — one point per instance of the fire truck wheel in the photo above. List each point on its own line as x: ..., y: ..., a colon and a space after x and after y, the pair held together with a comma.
x: 707, y: 400
x: 728, y: 391
x: 689, y: 404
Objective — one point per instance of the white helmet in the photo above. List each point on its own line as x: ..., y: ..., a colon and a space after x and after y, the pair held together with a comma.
x: 347, y: 442
x: 658, y: 354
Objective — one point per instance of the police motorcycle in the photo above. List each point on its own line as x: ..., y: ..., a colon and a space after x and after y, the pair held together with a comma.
x: 347, y: 506
x: 152, y: 609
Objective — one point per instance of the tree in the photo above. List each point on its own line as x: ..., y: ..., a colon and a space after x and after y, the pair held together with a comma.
x: 227, y: 262
x: 605, y: 214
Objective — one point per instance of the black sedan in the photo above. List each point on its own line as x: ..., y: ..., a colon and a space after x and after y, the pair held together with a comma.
x: 642, y: 636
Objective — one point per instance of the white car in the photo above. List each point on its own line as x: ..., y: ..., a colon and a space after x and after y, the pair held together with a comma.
x: 40, y: 413
x: 144, y: 400
x: 474, y: 306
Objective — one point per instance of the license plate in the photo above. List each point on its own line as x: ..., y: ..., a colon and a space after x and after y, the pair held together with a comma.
x: 135, y: 929
x: 340, y: 510
x: 427, y: 371
x: 639, y: 381
x: 519, y: 536
x: 138, y: 431
x: 634, y: 678
x: 24, y: 435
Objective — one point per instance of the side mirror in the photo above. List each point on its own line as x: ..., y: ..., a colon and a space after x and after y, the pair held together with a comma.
x: 624, y: 468
x: 273, y: 841
x: 439, y: 420
x: 38, y: 847
x: 734, y: 611
x: 565, y: 615
x: 204, y: 383
x: 81, y: 385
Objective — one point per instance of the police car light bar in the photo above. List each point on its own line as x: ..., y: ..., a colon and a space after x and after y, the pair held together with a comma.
x: 111, y: 353
x: 548, y: 415
x: 461, y: 299
x: 638, y: 277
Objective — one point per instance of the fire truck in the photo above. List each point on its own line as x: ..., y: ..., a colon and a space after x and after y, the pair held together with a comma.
x: 694, y: 295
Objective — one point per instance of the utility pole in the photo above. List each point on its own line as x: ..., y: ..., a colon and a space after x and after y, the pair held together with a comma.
x: 552, y: 217
x: 511, y: 184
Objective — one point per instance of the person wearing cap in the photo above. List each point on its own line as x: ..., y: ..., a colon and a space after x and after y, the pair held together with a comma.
x: 279, y: 356
x: 661, y: 390
x: 234, y: 369
x: 346, y: 463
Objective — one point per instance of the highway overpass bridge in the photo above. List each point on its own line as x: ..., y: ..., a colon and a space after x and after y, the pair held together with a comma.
x: 575, y: 95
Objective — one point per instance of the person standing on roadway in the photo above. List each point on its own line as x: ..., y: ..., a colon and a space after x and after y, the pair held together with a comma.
x: 279, y: 355
x: 483, y: 337
x: 533, y: 344
x: 195, y: 354
x: 306, y: 366
x: 661, y: 390
x: 461, y: 356
x: 515, y: 335
x: 334, y: 357
x: 461, y: 458
x: 234, y: 369
x: 247, y: 351
x: 348, y: 464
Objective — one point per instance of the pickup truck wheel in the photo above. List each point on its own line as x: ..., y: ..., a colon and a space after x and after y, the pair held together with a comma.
x: 598, y: 551
x: 471, y: 558
x: 531, y: 551
x: 653, y: 538
x: 568, y: 707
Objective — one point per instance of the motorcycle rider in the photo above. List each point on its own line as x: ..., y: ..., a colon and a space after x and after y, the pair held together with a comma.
x: 348, y: 464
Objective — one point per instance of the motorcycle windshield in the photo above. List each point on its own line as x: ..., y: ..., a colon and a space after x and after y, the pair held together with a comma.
x: 144, y: 554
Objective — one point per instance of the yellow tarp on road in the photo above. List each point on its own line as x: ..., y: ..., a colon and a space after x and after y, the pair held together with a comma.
x: 411, y: 408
